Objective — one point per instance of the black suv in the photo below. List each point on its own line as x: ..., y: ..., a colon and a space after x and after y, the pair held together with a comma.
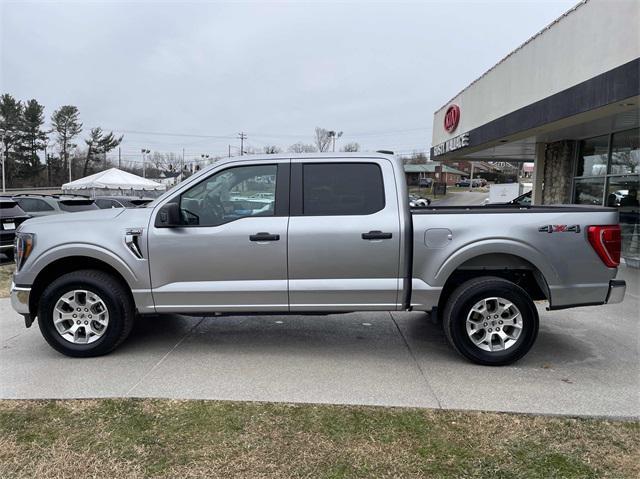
x: 11, y: 215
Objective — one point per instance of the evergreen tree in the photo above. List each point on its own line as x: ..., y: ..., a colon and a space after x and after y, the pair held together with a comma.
x: 10, y: 122
x: 66, y: 124
x: 99, y: 144
x: 32, y: 139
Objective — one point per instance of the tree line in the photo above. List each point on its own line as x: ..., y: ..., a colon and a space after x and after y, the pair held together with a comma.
x: 24, y: 138
x: 38, y: 156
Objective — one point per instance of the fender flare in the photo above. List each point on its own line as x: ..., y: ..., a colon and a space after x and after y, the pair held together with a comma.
x: 87, y: 250
x: 497, y: 246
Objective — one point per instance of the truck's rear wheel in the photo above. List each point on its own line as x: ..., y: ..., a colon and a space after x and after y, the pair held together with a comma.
x: 85, y: 313
x: 490, y: 321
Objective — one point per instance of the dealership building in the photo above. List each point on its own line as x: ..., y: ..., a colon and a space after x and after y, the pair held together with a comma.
x: 568, y: 100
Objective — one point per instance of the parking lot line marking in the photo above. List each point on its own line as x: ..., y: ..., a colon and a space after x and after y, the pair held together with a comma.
x: 415, y: 360
x: 155, y: 366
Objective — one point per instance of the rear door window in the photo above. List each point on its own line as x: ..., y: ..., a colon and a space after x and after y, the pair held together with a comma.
x: 34, y: 204
x: 331, y: 189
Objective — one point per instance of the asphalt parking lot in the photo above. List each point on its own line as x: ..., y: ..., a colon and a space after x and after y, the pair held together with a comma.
x: 586, y: 362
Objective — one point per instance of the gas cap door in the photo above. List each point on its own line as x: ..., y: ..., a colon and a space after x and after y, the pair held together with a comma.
x: 437, y: 237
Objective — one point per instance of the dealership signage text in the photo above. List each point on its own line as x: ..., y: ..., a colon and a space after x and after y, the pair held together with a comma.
x: 454, y: 143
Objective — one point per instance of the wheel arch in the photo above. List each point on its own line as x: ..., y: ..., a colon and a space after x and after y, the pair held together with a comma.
x: 512, y: 267
x: 66, y: 265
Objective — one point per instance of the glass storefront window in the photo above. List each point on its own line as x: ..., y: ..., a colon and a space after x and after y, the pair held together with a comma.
x: 625, y: 152
x: 588, y: 191
x: 592, y: 159
x: 619, y: 172
x: 622, y: 192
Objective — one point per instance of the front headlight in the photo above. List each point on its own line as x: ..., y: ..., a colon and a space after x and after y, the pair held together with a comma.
x: 24, y: 246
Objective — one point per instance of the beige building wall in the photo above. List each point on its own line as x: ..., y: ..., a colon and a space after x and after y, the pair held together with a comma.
x: 567, y: 52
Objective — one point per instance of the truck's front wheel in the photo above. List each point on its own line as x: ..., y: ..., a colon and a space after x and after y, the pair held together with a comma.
x: 85, y: 313
x: 491, y: 321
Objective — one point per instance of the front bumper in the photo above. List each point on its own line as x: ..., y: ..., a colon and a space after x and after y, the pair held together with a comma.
x: 617, y: 289
x: 20, y: 298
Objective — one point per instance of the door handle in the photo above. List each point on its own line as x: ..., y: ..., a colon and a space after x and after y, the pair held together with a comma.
x: 264, y: 237
x: 376, y: 235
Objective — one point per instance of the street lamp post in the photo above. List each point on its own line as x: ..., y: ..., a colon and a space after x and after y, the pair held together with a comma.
x: 144, y: 163
x: 3, y: 164
x: 333, y: 135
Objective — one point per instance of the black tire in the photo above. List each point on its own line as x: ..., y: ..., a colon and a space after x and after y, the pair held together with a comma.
x: 462, y: 300
x: 116, y: 298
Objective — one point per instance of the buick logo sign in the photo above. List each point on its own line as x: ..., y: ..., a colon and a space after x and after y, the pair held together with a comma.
x: 451, y: 118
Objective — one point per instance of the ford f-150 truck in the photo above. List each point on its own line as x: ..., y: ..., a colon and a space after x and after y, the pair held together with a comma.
x: 314, y: 234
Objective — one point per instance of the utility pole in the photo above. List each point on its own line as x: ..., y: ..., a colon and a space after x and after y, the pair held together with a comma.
x: 182, y: 165
x: 471, y: 179
x: 242, y: 137
x: 4, y: 165
x: 229, y: 151
x: 2, y: 153
x: 46, y: 162
x: 119, y: 159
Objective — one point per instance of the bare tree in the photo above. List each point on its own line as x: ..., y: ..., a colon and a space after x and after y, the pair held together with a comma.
x: 271, y: 149
x: 165, y: 161
x: 351, y: 147
x: 322, y: 139
x: 301, y: 148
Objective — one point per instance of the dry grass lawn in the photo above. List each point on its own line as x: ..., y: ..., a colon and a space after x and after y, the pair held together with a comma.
x: 5, y: 279
x: 161, y: 438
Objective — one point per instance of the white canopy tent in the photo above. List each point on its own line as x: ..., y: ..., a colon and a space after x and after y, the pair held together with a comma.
x: 114, y: 182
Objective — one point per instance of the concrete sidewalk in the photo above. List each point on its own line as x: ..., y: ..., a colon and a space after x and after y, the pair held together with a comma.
x: 586, y: 362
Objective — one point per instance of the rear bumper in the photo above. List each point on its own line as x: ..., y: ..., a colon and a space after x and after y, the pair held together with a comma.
x: 617, y: 289
x: 20, y: 298
x: 615, y: 294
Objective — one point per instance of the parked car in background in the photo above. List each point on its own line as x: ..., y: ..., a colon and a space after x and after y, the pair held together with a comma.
x: 425, y: 182
x: 338, y: 236
x: 477, y: 183
x: 11, y: 215
x: 522, y: 200
x: 37, y: 205
x: 106, y: 202
x: 416, y: 201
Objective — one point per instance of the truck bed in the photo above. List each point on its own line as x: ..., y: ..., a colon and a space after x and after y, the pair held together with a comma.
x: 551, y: 241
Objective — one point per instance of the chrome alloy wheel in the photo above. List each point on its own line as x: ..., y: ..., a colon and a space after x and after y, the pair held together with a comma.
x: 494, y: 324
x: 80, y: 316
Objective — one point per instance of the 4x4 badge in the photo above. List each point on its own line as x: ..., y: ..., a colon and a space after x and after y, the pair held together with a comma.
x: 559, y: 229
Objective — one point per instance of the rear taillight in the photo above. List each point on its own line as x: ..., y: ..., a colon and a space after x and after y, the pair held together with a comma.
x: 607, y: 242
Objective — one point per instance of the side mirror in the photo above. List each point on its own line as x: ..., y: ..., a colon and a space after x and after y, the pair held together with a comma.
x: 168, y: 216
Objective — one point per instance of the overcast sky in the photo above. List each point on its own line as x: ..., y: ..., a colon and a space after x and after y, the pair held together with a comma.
x: 275, y: 70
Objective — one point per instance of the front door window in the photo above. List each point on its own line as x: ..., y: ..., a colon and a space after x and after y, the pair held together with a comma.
x: 230, y: 195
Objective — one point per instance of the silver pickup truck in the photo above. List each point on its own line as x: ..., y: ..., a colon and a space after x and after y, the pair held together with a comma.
x: 313, y: 234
